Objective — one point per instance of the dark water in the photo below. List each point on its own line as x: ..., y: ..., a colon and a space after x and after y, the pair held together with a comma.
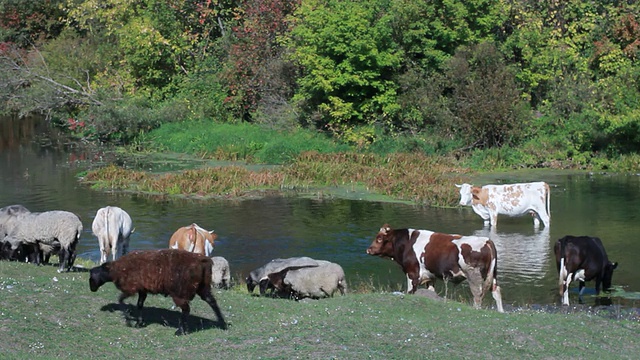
x: 42, y: 176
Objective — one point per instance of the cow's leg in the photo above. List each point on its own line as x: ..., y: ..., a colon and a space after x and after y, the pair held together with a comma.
x: 493, y: 217
x: 565, y: 289
x: 476, y: 286
x: 580, y: 291
x: 104, y: 251
x: 497, y: 295
x: 413, y: 281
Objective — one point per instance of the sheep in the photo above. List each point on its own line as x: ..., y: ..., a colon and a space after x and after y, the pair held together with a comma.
x: 8, y: 218
x: 51, y: 232
x: 176, y: 273
x: 259, y: 276
x: 112, y: 226
x: 220, y: 273
x: 309, y: 282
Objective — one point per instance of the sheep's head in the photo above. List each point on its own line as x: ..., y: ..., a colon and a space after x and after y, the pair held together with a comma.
x: 99, y: 275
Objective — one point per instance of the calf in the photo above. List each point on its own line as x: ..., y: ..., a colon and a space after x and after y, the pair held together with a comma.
x: 193, y: 238
x: 582, y: 258
x: 426, y: 255
x: 112, y: 226
x: 512, y: 200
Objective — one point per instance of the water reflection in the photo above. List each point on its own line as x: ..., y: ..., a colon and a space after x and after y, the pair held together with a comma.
x: 522, y: 256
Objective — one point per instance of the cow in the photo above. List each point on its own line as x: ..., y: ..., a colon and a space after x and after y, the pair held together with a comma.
x: 582, y: 258
x: 194, y: 239
x: 512, y: 199
x: 425, y: 255
x: 113, y: 227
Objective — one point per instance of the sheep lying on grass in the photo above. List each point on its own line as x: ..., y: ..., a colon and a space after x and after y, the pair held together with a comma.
x: 47, y: 233
x: 176, y: 273
x: 220, y: 272
x: 259, y: 276
x: 309, y: 282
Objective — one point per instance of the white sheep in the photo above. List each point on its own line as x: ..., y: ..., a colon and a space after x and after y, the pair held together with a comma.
x: 59, y: 231
x: 112, y: 226
x: 220, y: 273
x: 310, y: 282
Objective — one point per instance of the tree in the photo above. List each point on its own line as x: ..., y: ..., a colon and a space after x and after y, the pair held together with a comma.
x: 347, y: 58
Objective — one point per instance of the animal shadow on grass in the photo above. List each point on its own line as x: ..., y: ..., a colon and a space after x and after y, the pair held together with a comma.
x: 166, y: 317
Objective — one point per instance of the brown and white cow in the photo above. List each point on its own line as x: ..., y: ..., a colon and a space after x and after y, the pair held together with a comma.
x: 425, y: 255
x: 194, y: 239
x: 512, y: 200
x: 582, y: 258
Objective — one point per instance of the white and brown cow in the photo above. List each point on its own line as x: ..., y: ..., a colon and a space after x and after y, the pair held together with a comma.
x: 425, y: 255
x: 512, y: 200
x: 582, y: 258
x: 194, y: 239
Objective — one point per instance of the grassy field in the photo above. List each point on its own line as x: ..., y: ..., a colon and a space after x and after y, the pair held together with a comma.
x: 44, y: 314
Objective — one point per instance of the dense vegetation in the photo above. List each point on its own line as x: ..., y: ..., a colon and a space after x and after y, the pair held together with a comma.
x: 503, y: 83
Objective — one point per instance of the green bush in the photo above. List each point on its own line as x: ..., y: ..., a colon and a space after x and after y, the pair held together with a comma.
x: 242, y: 141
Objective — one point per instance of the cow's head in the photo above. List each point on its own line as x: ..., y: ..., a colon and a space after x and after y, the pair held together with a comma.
x: 466, y: 196
x: 608, y: 274
x: 382, y: 245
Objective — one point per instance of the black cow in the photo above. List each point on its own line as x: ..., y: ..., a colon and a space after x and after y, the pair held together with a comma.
x: 582, y: 258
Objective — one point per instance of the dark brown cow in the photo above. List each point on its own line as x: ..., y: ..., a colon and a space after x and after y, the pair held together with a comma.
x: 426, y: 255
x: 582, y: 258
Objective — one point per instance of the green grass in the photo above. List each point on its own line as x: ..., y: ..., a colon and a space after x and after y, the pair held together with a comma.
x: 44, y: 314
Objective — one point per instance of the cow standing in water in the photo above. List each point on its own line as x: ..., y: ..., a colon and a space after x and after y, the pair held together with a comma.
x: 582, y: 258
x: 512, y: 200
x: 426, y: 255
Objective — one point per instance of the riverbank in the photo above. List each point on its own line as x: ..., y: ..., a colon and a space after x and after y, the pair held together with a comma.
x: 46, y: 314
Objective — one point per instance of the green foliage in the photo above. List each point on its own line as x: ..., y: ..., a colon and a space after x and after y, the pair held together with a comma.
x: 429, y: 32
x: 120, y: 122
x: 484, y: 100
x: 241, y: 141
x: 347, y: 55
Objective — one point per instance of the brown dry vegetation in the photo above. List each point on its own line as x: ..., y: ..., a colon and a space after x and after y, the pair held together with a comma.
x: 411, y: 177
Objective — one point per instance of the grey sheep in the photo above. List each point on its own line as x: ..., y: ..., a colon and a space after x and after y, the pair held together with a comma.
x: 220, y: 273
x: 259, y: 276
x: 310, y: 282
x: 53, y: 231
x: 8, y: 218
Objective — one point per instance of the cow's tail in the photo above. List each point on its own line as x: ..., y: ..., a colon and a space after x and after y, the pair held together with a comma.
x: 547, y: 190
x: 493, y: 271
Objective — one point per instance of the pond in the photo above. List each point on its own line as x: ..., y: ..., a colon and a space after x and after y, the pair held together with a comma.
x: 39, y: 174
